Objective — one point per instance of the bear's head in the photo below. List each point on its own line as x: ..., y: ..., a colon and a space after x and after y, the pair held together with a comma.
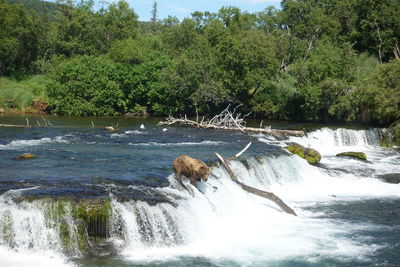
x: 204, y: 171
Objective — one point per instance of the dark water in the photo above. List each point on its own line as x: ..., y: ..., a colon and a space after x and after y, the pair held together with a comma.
x: 74, y: 158
x: 347, y: 217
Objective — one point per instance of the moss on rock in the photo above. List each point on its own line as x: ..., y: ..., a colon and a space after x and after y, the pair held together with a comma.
x: 311, y: 155
x: 81, y: 223
x: 356, y: 155
x: 25, y: 156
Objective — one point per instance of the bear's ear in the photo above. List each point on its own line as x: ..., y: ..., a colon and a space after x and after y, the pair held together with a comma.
x: 202, y: 167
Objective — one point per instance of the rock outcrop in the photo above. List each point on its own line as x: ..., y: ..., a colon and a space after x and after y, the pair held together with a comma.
x: 311, y: 155
x: 355, y: 155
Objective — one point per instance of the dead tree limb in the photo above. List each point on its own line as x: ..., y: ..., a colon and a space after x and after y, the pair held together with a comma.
x: 228, y: 120
x: 268, y: 195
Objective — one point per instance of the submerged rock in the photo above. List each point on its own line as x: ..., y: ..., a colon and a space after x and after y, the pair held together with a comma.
x: 25, y: 156
x: 111, y: 128
x: 356, y: 155
x: 311, y: 155
x: 392, y: 178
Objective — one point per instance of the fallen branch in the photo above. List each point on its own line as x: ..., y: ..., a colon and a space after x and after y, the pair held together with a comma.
x: 14, y: 125
x: 227, y: 120
x: 243, y: 150
x: 268, y: 195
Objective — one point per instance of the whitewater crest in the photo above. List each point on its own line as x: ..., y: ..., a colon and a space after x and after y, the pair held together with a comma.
x: 341, y: 137
x: 211, y: 143
x: 18, y: 144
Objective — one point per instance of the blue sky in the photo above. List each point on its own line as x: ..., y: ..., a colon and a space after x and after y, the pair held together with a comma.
x: 183, y: 8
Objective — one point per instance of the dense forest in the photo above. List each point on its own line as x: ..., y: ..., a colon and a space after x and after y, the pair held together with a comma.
x: 325, y: 60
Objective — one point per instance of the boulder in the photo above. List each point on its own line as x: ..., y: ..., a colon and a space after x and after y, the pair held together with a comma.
x: 311, y: 155
x: 26, y: 156
x: 392, y: 178
x: 355, y: 155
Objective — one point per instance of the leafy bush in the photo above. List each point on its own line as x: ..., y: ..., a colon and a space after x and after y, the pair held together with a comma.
x: 87, y: 86
x: 380, y: 93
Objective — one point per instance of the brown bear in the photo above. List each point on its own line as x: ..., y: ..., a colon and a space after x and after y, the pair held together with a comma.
x: 193, y: 169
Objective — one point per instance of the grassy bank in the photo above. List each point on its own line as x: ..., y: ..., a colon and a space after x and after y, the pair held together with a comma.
x: 26, y: 95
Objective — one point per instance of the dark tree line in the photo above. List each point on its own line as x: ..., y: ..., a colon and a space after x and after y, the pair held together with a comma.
x: 325, y: 60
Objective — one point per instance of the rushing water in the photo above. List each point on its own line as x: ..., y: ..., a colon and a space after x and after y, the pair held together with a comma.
x: 347, y: 216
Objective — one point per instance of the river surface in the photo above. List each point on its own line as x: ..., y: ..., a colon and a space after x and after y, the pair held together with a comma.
x: 347, y: 214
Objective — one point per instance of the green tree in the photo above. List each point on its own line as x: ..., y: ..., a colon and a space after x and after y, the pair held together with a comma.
x: 20, y: 34
x: 87, y: 86
x: 117, y: 22
x: 248, y: 61
x: 379, y: 95
x: 323, y: 78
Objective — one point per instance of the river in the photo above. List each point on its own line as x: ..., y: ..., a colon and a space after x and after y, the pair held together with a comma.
x: 347, y: 214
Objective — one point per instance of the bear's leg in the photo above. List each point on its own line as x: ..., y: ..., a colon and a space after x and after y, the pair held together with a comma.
x: 178, y: 175
x: 192, y: 179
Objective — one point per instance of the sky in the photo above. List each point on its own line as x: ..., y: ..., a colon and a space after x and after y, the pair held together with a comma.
x: 183, y: 8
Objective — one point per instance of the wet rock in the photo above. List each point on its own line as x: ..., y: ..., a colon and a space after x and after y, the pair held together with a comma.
x: 311, y: 155
x: 355, y: 155
x: 111, y: 128
x: 392, y: 178
x: 391, y: 138
x: 25, y: 156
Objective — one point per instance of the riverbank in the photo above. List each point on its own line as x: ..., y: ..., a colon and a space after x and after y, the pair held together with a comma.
x: 25, y: 96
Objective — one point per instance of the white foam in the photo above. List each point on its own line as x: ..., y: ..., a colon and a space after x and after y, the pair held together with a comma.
x: 212, y: 143
x: 135, y: 132
x: 17, y: 144
x: 329, y: 142
x: 12, y: 258
x: 230, y: 224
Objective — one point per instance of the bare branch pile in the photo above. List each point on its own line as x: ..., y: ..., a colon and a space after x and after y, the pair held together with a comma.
x: 228, y: 120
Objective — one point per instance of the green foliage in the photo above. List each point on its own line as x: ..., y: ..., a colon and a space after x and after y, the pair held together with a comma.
x: 380, y: 93
x: 21, y: 93
x: 126, y: 51
x: 80, y: 31
x: 39, y: 6
x: 19, y: 38
x: 249, y: 61
x: 87, y: 86
x: 323, y: 79
x: 327, y: 60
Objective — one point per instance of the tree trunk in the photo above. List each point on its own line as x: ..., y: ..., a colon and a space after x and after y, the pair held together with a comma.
x: 268, y: 195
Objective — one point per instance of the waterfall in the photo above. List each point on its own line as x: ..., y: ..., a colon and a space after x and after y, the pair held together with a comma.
x: 220, y: 222
x: 326, y: 139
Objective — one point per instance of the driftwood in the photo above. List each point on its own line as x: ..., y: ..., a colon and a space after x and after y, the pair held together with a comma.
x: 12, y: 125
x: 228, y: 120
x: 268, y: 195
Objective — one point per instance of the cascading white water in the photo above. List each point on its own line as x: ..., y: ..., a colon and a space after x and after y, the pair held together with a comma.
x: 26, y: 238
x: 326, y: 139
x: 223, y: 223
x: 228, y: 223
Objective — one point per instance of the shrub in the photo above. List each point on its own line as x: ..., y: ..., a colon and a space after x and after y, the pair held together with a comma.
x: 87, y: 86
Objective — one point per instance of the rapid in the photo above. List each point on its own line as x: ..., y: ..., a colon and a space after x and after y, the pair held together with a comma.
x: 347, y: 213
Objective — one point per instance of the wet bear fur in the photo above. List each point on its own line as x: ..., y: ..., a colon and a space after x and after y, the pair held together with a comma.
x: 193, y: 169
